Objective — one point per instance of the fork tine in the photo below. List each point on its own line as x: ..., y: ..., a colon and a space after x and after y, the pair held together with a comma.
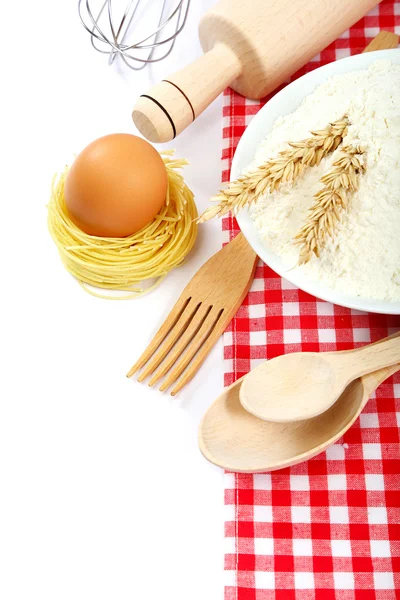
x: 191, y: 332
x: 198, y: 351
x: 169, y: 342
x: 169, y: 323
x: 199, y: 359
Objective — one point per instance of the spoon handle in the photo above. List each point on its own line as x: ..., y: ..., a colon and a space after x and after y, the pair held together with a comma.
x: 374, y: 357
x: 373, y: 380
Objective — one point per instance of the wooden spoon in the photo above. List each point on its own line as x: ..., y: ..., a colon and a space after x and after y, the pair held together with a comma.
x: 302, y: 385
x: 235, y: 440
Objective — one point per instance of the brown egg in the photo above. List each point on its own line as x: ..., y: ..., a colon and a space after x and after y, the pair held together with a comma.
x: 116, y: 186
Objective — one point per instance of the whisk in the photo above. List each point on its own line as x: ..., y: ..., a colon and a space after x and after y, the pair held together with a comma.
x: 114, y: 34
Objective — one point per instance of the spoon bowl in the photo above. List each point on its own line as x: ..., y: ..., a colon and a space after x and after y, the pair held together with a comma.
x: 236, y: 440
x: 303, y: 385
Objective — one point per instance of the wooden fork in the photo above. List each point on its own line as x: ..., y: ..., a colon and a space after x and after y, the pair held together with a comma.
x: 199, y: 317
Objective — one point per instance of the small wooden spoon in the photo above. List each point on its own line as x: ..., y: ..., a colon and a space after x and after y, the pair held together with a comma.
x: 235, y: 440
x: 302, y: 385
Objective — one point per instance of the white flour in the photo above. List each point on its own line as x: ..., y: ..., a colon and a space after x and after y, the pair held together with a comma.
x: 363, y: 258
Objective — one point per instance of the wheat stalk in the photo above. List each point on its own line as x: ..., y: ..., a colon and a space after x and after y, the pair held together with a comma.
x: 330, y: 202
x: 285, y: 168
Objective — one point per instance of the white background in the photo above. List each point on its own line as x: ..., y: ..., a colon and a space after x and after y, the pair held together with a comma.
x: 103, y: 491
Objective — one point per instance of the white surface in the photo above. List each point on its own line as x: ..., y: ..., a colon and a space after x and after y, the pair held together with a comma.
x: 285, y: 102
x: 103, y: 491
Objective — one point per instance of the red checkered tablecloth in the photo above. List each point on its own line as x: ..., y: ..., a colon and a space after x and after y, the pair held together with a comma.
x: 328, y: 528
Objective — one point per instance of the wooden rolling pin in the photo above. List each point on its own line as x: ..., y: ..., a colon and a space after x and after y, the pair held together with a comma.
x: 251, y: 45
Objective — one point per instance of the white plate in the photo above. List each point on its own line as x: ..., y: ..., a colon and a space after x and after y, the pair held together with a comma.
x: 285, y: 102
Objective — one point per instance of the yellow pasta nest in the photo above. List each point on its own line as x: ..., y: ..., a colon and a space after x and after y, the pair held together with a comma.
x: 123, y: 264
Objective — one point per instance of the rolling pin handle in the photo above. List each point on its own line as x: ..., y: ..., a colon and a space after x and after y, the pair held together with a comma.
x: 170, y: 106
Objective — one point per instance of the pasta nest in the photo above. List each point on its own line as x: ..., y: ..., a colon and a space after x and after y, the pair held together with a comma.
x: 125, y: 264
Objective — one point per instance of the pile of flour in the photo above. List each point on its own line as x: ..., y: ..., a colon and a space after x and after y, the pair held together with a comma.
x: 363, y: 258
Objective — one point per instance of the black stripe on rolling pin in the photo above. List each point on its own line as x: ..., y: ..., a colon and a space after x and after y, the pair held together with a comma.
x: 183, y: 94
x: 164, y: 111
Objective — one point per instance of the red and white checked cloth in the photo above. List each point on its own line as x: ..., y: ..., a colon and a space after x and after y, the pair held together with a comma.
x: 328, y: 528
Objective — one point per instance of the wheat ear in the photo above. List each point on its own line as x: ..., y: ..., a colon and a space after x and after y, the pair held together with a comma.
x: 330, y: 202
x: 285, y: 168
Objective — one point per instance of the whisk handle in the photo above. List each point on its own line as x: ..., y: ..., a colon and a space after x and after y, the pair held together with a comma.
x: 170, y: 106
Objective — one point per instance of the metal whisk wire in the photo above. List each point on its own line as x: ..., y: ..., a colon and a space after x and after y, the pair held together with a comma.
x: 109, y: 37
